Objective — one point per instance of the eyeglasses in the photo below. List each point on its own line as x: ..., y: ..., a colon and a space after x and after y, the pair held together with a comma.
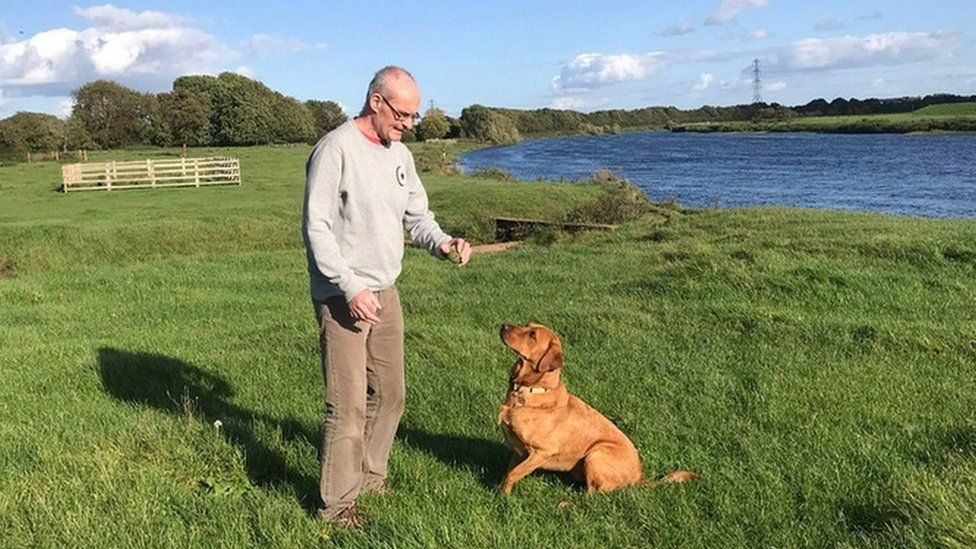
x: 397, y: 115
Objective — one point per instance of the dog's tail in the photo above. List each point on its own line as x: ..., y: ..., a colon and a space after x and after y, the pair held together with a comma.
x: 674, y: 477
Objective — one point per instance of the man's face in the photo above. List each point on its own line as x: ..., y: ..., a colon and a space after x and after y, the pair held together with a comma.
x: 395, y: 109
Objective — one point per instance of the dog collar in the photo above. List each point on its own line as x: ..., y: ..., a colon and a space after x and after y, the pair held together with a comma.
x: 523, y: 389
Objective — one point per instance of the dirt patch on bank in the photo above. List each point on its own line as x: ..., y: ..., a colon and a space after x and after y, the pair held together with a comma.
x: 496, y: 247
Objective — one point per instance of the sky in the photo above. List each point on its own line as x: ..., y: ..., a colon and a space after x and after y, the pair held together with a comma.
x: 583, y: 55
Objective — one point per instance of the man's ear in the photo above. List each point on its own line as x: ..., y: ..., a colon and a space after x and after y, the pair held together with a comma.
x: 552, y: 359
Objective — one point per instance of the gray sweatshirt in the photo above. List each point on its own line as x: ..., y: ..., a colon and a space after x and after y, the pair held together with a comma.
x: 359, y: 197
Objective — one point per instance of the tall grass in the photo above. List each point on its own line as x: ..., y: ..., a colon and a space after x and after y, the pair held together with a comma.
x: 159, y: 380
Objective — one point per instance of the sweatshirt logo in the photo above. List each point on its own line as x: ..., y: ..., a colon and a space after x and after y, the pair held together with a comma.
x: 401, y: 176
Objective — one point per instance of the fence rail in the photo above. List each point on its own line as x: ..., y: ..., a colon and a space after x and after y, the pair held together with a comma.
x: 150, y: 174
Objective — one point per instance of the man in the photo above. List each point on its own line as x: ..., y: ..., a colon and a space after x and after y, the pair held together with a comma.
x: 362, y: 191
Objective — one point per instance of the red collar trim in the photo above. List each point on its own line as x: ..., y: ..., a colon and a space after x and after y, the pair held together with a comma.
x: 370, y: 138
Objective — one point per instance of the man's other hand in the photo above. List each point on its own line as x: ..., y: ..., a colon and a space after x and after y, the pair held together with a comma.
x: 365, y: 306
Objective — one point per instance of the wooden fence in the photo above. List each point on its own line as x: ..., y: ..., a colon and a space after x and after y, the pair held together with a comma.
x: 150, y: 174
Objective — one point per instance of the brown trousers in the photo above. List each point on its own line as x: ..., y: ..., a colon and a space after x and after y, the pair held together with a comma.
x: 364, y: 396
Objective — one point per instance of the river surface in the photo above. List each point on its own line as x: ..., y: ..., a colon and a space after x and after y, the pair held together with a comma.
x: 918, y: 175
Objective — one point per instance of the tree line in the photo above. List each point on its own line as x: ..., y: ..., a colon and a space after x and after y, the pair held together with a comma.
x: 224, y: 110
x: 230, y: 109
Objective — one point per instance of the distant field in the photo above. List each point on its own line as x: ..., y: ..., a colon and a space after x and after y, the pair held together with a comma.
x: 816, y: 368
x: 958, y: 117
x: 948, y: 109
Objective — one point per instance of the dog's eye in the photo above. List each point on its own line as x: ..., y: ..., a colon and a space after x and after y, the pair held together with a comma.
x: 532, y: 334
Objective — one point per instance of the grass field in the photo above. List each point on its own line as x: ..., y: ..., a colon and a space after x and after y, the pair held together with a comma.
x: 816, y: 368
x: 948, y: 109
x: 956, y: 117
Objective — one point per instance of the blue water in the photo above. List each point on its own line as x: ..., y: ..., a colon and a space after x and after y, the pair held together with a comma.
x: 919, y: 175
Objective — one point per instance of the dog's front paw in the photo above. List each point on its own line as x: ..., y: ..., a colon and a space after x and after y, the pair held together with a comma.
x: 505, y: 489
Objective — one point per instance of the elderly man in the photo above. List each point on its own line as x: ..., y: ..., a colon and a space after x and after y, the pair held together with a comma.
x: 362, y: 191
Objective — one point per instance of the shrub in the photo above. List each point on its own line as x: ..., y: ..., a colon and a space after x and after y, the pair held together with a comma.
x: 434, y: 125
x: 434, y: 158
x: 488, y: 126
x: 492, y: 173
x: 621, y: 202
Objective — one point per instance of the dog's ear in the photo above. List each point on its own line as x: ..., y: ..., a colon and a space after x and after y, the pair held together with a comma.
x: 552, y: 359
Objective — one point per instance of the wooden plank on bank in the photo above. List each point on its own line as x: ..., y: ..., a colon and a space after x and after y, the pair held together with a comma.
x: 511, y: 228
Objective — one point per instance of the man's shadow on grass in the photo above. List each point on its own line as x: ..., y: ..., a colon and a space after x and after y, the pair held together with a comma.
x: 485, y: 458
x: 181, y: 389
x: 176, y: 387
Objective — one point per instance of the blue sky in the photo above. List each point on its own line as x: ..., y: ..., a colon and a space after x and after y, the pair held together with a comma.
x: 593, y: 55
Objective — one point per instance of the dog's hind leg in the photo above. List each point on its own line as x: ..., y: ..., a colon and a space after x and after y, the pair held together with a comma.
x: 604, y: 473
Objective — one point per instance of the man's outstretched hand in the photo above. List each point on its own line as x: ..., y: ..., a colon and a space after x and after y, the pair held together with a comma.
x: 463, y: 250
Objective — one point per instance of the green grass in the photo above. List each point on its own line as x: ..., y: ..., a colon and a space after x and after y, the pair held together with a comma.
x: 957, y: 117
x: 948, y: 109
x: 816, y: 368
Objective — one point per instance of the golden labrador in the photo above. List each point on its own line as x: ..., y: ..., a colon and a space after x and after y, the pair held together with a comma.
x: 550, y: 429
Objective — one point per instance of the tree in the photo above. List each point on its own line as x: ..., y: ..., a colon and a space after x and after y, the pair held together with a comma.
x: 186, y: 116
x: 434, y: 125
x: 484, y: 124
x: 12, y: 146
x: 155, y: 131
x: 37, y: 131
x: 328, y: 115
x: 75, y: 135
x: 112, y: 114
x: 293, y: 122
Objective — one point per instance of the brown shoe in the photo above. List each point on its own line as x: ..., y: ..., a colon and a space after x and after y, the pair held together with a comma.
x: 347, y: 518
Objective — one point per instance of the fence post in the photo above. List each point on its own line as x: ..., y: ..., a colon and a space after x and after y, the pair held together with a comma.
x: 113, y: 176
x: 151, y: 173
x: 28, y: 157
x: 196, y: 170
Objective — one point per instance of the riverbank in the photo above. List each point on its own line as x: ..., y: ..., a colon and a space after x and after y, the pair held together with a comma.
x: 960, y: 117
x: 161, y: 384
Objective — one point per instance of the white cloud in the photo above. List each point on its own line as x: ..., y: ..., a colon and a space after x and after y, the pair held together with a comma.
x: 758, y: 33
x: 882, y: 86
x: 729, y: 9
x: 734, y: 83
x: 678, y: 30
x: 146, y: 48
x: 871, y: 16
x: 565, y: 103
x: 244, y: 70
x: 891, y: 48
x: 65, y: 106
x: 704, y: 81
x: 2, y: 100
x: 265, y: 44
x: 774, y: 86
x: 109, y: 17
x: 827, y: 25
x: 592, y: 70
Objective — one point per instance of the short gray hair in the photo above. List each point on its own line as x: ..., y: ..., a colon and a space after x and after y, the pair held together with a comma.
x: 379, y: 83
